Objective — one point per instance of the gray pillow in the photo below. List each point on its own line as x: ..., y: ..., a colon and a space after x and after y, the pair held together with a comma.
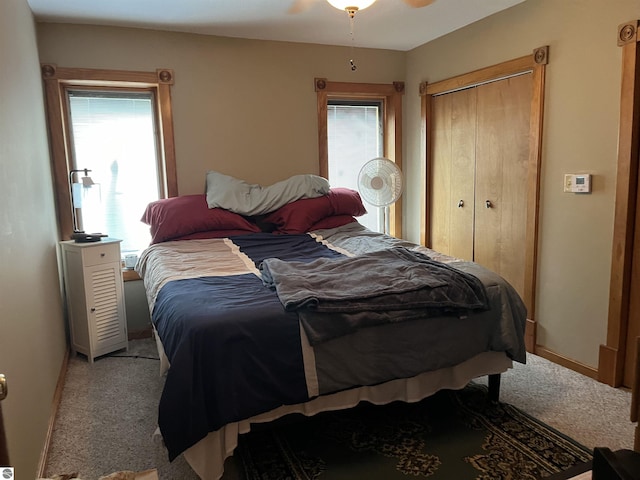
x: 244, y: 198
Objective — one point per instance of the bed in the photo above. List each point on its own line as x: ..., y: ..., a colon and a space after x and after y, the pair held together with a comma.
x: 304, y: 310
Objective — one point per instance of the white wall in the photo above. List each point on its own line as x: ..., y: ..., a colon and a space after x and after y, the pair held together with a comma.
x: 582, y: 100
x: 32, y: 332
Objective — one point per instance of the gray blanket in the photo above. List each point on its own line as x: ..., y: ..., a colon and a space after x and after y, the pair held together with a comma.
x: 336, y: 297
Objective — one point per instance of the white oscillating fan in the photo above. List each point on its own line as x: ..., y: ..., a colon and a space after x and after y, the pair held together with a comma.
x: 380, y: 184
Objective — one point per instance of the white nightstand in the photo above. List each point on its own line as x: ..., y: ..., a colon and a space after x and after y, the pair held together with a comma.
x: 95, y: 296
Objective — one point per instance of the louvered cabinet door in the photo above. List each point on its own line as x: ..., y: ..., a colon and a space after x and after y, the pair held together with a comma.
x: 105, y: 308
x: 95, y: 297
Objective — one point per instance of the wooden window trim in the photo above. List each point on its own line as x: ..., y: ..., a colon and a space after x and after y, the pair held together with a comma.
x: 536, y: 64
x: 57, y: 80
x: 391, y: 95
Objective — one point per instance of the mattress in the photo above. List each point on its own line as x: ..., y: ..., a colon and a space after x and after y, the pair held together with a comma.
x: 234, y: 355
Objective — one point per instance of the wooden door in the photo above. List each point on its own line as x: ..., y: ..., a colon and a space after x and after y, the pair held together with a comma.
x: 502, y: 154
x: 4, y: 452
x: 452, y: 184
x: 616, y: 360
x: 523, y: 264
x: 633, y: 325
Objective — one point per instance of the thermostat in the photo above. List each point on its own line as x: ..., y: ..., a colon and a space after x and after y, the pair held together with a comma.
x: 577, y: 183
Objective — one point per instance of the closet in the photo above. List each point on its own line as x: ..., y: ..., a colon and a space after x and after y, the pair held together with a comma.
x: 482, y: 145
x: 479, y: 174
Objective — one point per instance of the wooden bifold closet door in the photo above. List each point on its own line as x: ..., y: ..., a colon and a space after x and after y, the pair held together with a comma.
x: 478, y: 188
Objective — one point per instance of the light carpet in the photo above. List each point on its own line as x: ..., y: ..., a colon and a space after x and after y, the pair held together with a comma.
x: 107, y: 415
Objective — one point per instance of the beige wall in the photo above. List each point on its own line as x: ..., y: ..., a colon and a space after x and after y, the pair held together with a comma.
x: 32, y: 332
x: 246, y: 108
x: 580, y: 136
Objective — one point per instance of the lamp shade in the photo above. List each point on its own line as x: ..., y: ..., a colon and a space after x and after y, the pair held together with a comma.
x: 351, y: 4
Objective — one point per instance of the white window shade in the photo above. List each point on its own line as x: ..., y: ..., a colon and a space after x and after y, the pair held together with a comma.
x: 354, y: 136
x: 113, y: 135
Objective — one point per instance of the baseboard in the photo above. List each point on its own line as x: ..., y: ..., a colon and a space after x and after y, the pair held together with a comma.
x: 609, y: 368
x: 530, y: 332
x: 566, y: 362
x: 57, y: 396
x: 139, y: 334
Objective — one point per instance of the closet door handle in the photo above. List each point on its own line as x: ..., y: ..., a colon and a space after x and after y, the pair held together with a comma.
x: 488, y: 204
x: 461, y: 204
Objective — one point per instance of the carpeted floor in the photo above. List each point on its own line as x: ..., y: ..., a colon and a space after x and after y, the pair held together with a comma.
x: 107, y: 414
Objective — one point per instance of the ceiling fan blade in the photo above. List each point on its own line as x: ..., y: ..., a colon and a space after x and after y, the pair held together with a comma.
x: 418, y: 3
x: 299, y: 6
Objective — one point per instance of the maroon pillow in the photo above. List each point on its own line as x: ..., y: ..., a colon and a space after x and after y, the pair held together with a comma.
x: 345, y: 201
x: 176, y: 217
x: 301, y: 215
x: 298, y: 216
x: 333, y: 222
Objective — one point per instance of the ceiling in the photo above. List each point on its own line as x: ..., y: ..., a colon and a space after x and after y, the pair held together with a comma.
x: 387, y: 24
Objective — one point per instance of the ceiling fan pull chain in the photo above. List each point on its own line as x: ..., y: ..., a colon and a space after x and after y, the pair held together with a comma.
x: 351, y: 62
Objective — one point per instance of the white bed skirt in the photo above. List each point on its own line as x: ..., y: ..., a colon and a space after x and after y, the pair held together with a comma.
x: 208, y: 455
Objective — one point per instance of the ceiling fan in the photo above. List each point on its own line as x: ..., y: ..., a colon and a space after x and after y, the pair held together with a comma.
x: 350, y: 6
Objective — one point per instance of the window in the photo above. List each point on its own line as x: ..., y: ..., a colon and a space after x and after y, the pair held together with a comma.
x: 354, y: 136
x: 358, y: 122
x: 118, y: 125
x: 113, y: 135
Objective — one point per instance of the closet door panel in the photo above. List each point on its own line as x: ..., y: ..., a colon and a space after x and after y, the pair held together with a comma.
x: 453, y: 165
x: 463, y: 159
x: 491, y: 121
x: 501, y: 176
x: 440, y: 183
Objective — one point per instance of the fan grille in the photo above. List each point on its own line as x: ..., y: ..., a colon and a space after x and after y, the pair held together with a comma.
x: 380, y: 182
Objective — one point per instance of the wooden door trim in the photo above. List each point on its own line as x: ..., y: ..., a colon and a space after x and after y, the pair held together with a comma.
x: 536, y: 65
x: 612, y: 354
x: 4, y: 450
x: 477, y: 77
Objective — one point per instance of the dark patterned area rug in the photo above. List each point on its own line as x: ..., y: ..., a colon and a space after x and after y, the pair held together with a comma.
x: 454, y: 435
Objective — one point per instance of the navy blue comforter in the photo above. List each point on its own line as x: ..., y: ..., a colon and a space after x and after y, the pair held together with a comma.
x: 234, y: 350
